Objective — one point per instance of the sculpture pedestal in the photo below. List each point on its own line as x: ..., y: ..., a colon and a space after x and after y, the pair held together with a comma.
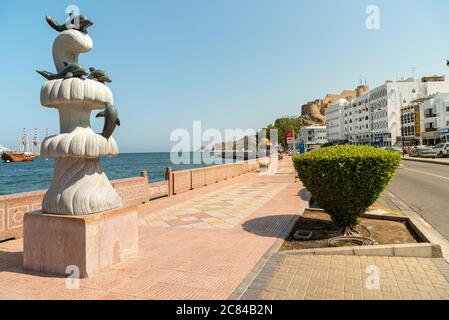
x: 54, y: 243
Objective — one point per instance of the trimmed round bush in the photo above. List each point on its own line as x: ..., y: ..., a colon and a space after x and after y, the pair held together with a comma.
x: 346, y: 180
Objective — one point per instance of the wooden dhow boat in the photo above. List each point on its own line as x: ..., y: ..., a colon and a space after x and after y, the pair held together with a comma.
x: 24, y: 153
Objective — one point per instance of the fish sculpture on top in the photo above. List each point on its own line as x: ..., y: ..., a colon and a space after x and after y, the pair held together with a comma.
x: 78, y: 22
x: 79, y: 185
x: 99, y: 75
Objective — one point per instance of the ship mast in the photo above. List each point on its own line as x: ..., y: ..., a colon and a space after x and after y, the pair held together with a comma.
x: 24, y: 143
x: 36, y: 142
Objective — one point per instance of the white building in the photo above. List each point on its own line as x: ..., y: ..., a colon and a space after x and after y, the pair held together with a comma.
x: 374, y: 116
x: 434, y: 118
x: 387, y: 102
x: 335, y: 122
x: 312, y: 137
x: 357, y: 118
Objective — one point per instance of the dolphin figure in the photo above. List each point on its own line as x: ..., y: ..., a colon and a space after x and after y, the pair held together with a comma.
x: 99, y: 75
x: 84, y: 23
x: 71, y: 70
x: 111, y: 120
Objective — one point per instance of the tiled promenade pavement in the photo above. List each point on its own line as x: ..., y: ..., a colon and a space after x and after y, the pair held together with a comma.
x: 220, y: 209
x: 197, y: 245
x: 296, y: 277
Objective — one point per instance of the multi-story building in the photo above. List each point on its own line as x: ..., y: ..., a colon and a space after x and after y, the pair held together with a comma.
x: 373, y: 117
x: 312, y: 137
x: 335, y: 125
x: 386, y: 102
x: 434, y: 118
x: 356, y: 117
x: 411, y: 125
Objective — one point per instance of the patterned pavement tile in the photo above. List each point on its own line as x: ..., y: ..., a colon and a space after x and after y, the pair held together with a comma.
x: 221, y: 209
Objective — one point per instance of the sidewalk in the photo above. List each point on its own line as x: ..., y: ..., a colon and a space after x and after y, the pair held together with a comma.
x: 294, y: 277
x: 198, y: 245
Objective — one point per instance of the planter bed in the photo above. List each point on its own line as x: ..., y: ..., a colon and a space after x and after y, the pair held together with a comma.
x: 383, y: 230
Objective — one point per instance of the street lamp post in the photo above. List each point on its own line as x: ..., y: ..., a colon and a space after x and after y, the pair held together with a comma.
x: 403, y: 146
x: 372, y: 124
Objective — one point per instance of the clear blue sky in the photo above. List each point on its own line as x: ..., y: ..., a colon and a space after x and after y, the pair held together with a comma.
x: 228, y: 63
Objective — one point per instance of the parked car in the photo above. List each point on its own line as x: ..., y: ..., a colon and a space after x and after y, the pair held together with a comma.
x: 442, y: 149
x: 394, y: 148
x: 423, y: 152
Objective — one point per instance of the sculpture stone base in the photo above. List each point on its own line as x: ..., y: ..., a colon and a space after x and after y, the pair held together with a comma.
x: 58, y: 244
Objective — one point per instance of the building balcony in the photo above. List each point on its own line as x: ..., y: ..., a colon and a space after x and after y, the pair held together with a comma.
x: 430, y: 129
x: 430, y: 115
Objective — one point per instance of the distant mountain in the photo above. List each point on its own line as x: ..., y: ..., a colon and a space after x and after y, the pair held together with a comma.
x: 238, y: 145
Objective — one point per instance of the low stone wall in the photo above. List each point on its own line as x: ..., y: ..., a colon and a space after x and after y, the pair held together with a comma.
x: 220, y: 174
x: 182, y: 181
x: 132, y: 191
x: 198, y: 178
x: 158, y: 189
x: 12, y: 209
x: 211, y: 175
x: 186, y: 180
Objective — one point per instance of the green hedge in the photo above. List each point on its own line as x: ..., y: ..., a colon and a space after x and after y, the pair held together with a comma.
x: 346, y: 180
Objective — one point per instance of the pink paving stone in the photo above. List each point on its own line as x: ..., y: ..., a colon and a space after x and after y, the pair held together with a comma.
x: 202, y: 215
x: 118, y: 296
x: 170, y: 291
x: 178, y: 222
x: 177, y: 263
x: 141, y: 283
x: 189, y: 219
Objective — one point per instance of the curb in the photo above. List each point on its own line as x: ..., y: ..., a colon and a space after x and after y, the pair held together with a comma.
x: 420, y: 250
x: 421, y: 226
x: 387, y: 217
x: 444, y: 163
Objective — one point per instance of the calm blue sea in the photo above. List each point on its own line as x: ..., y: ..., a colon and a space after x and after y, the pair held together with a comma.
x: 37, y: 175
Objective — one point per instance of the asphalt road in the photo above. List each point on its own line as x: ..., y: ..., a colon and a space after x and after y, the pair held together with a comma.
x: 424, y: 187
